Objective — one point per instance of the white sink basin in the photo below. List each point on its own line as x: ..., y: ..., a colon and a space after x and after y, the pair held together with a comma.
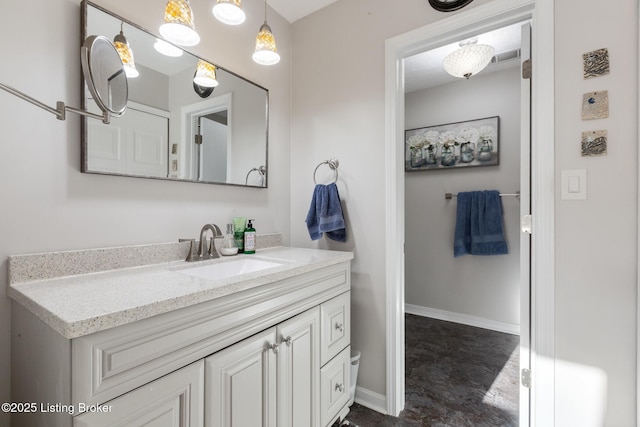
x: 227, y: 269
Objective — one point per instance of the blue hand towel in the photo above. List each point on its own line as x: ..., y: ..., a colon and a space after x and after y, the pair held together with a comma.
x: 325, y: 214
x: 479, y: 224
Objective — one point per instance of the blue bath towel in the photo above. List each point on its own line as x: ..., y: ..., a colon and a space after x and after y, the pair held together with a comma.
x: 325, y: 214
x: 479, y: 224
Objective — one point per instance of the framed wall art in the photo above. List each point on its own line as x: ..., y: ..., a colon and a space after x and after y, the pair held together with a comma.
x: 453, y: 145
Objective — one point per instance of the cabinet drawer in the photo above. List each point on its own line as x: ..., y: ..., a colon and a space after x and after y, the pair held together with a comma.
x: 334, y: 386
x: 173, y: 400
x: 335, y: 323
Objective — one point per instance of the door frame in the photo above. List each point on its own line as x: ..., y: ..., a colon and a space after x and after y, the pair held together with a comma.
x: 495, y: 14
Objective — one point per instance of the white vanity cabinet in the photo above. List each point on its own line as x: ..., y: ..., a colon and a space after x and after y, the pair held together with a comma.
x: 269, y: 380
x: 276, y: 354
x: 175, y: 400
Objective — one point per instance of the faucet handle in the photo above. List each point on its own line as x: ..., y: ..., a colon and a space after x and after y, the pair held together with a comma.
x: 192, y: 255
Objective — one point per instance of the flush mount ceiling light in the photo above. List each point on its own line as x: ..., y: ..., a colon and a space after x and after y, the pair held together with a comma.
x: 126, y: 55
x: 178, y: 25
x: 167, y: 49
x: 266, y: 52
x: 205, y: 74
x: 469, y: 60
x: 229, y: 12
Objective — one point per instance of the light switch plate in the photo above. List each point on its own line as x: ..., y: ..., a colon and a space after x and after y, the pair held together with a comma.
x: 574, y: 184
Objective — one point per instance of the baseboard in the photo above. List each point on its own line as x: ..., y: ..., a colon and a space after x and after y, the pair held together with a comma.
x: 371, y: 400
x: 464, y: 319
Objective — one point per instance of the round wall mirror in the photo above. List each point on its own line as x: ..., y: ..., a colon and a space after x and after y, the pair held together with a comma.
x: 104, y: 75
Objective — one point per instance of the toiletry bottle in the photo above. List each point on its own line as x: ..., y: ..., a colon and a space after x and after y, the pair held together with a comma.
x: 239, y: 223
x: 229, y: 246
x: 250, y: 238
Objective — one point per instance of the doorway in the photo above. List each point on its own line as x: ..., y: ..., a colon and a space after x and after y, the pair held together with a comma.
x: 481, y: 295
x: 476, y: 20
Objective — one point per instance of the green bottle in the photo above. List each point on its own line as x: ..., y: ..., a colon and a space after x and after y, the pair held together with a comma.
x: 250, y: 238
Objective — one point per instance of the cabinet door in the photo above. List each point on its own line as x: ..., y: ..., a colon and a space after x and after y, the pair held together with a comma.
x: 240, y: 384
x: 299, y: 370
x: 173, y: 400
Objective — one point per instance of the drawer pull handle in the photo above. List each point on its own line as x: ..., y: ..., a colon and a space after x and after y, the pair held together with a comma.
x: 275, y: 348
x: 340, y: 387
x: 340, y: 327
x: 288, y: 341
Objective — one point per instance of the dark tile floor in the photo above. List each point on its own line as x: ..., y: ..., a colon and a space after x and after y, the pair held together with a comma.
x: 456, y: 376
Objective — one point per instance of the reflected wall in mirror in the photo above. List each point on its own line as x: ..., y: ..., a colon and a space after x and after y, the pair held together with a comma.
x: 174, y: 128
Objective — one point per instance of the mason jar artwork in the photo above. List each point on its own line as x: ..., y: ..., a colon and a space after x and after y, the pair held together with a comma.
x: 430, y: 154
x: 448, y: 155
x: 466, y: 152
x: 416, y: 158
x: 485, y: 149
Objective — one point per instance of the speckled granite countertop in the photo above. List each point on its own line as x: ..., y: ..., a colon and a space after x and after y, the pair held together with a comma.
x: 81, y: 304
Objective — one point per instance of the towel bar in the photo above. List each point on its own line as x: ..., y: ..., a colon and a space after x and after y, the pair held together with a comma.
x: 449, y: 196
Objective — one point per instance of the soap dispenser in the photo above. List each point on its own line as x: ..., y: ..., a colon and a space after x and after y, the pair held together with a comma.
x: 250, y: 238
x: 229, y: 246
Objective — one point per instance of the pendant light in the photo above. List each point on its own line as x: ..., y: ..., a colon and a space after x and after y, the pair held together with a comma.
x: 469, y: 60
x: 205, y: 74
x: 266, y: 52
x: 229, y: 12
x: 126, y: 55
x: 178, y: 25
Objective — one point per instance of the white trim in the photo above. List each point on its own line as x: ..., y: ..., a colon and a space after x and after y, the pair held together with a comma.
x: 638, y: 264
x: 463, y: 319
x: 371, y: 399
x: 482, y: 18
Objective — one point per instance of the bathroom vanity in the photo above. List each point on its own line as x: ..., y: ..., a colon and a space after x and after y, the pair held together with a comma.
x: 250, y: 340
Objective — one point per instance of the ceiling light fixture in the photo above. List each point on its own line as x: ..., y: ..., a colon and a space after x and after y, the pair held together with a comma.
x: 229, y: 12
x: 469, y: 60
x: 178, y: 25
x: 126, y: 54
x: 205, y: 74
x: 266, y: 52
x: 167, y: 49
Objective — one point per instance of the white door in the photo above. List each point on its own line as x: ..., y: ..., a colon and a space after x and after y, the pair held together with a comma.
x: 240, y: 384
x: 147, y: 144
x: 174, y: 400
x: 525, y: 236
x: 213, y: 158
x: 299, y: 370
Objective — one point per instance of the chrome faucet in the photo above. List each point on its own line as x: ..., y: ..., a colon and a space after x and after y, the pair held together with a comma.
x: 208, y: 251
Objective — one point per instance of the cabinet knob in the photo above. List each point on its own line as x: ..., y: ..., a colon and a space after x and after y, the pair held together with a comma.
x: 288, y: 341
x: 340, y: 327
x: 275, y: 348
x: 340, y: 387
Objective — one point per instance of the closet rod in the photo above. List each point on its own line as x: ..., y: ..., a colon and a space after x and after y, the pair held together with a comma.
x: 449, y: 196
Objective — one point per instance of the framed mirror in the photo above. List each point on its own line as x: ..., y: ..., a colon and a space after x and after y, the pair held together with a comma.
x: 175, y: 128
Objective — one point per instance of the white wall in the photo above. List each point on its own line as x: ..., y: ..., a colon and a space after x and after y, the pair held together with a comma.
x: 486, y: 287
x: 48, y: 205
x: 338, y: 110
x: 596, y: 239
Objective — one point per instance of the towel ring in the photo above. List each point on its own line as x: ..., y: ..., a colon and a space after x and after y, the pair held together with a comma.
x: 333, y: 164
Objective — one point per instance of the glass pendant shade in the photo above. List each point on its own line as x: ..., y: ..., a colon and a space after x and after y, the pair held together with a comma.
x: 205, y: 74
x: 178, y: 25
x: 126, y: 55
x: 229, y: 12
x: 167, y: 49
x: 469, y: 60
x: 266, y: 52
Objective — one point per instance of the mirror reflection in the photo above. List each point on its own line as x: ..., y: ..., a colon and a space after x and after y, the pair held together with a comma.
x: 186, y: 118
